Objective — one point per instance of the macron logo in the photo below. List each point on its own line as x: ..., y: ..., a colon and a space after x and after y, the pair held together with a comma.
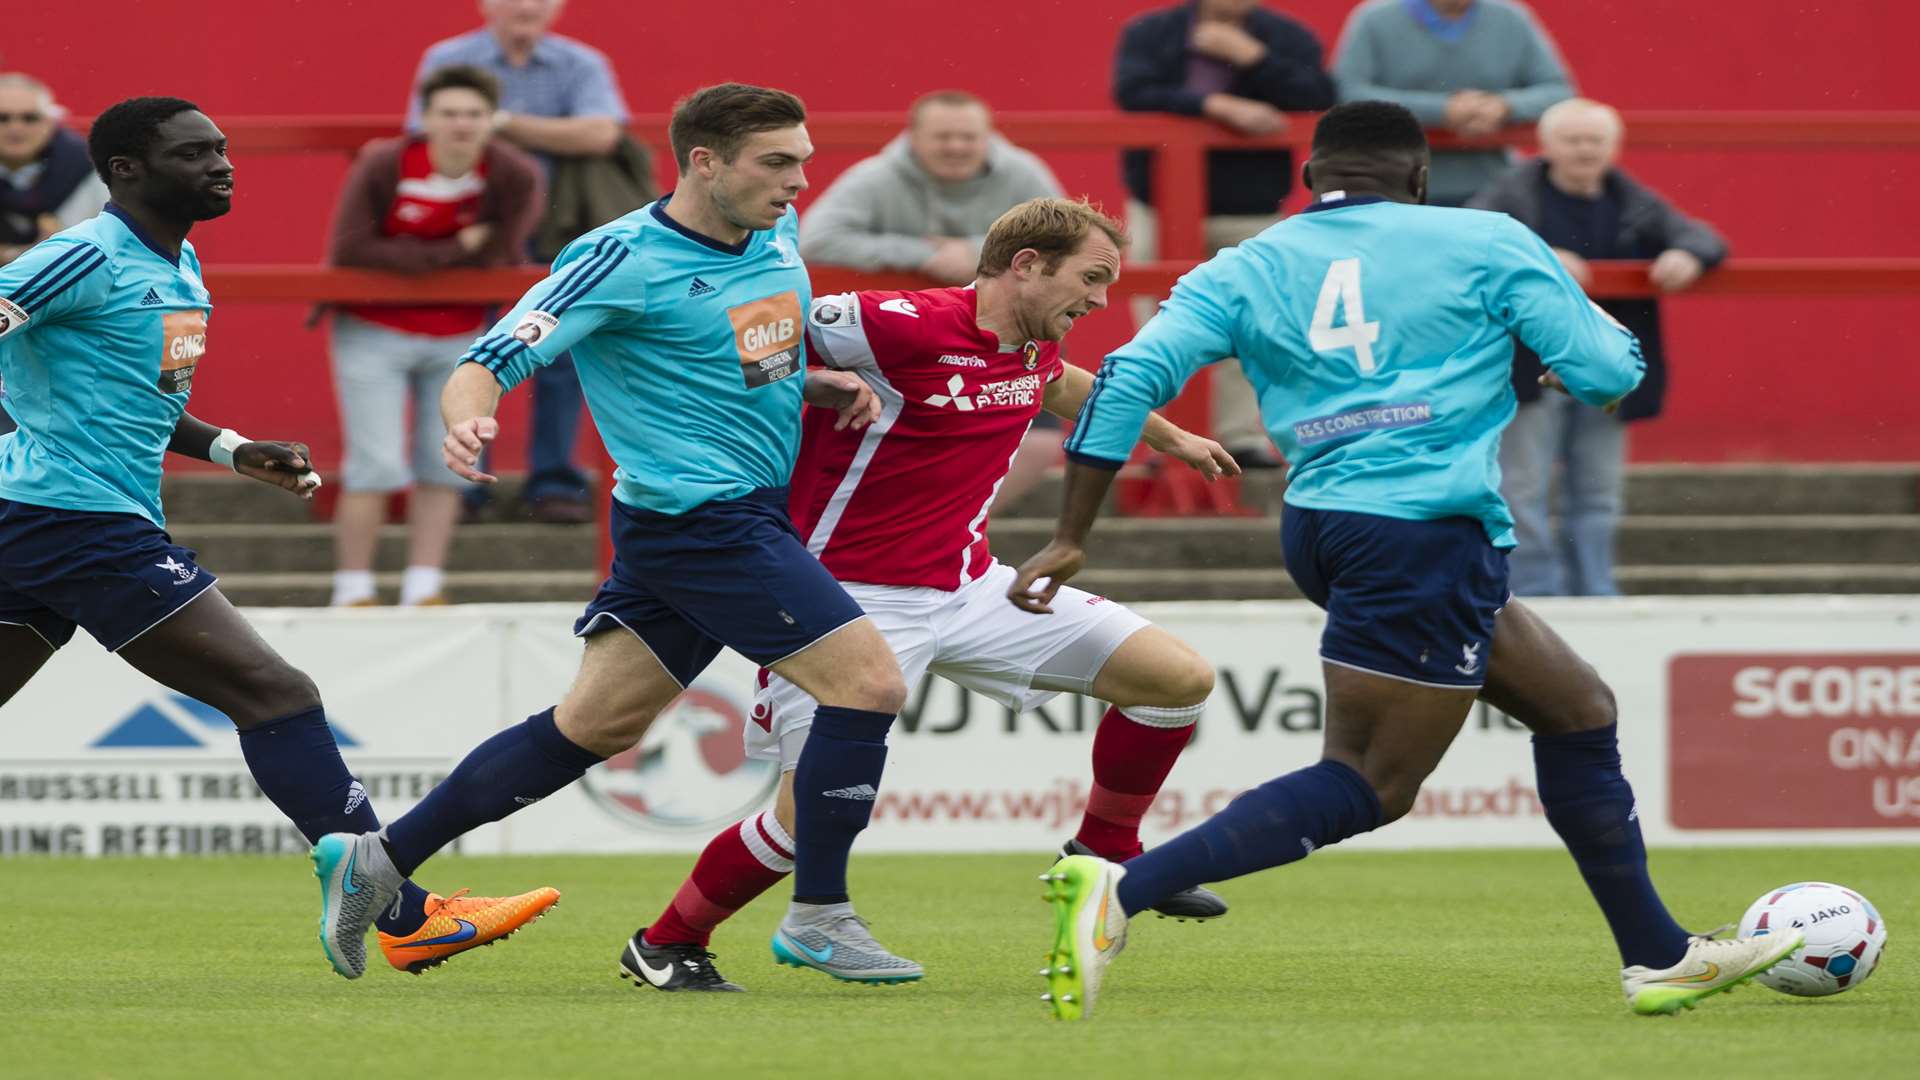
x: 699, y: 288
x: 859, y: 793
x: 152, y: 299
x: 963, y: 361
x: 900, y: 305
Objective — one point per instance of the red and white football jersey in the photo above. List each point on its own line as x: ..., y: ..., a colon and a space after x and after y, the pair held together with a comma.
x: 904, y: 500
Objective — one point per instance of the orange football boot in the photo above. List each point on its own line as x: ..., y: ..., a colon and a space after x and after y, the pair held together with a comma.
x: 460, y: 922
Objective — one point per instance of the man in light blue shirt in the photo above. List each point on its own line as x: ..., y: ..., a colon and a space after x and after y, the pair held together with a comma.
x: 1378, y: 334
x: 557, y: 97
x: 1471, y: 66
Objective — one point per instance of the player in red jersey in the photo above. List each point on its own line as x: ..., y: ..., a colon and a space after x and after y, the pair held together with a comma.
x: 898, y: 513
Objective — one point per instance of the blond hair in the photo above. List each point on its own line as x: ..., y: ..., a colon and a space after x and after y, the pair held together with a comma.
x: 1053, y: 227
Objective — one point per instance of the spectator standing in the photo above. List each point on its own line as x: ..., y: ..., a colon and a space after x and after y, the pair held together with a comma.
x: 923, y: 205
x: 1244, y: 66
x: 452, y: 196
x: 1586, y: 208
x: 1470, y: 66
x: 47, y: 182
x: 558, y: 99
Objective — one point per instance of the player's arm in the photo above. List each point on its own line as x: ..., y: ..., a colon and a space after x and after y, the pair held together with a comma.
x: 1193, y: 329
x: 50, y: 282
x: 1066, y: 394
x: 283, y: 464
x: 1587, y: 353
x: 591, y: 285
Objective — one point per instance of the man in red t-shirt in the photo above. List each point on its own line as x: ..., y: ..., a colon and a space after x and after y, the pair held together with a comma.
x: 897, y: 512
x: 452, y: 197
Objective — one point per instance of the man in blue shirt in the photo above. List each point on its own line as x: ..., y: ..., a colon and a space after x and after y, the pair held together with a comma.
x: 1378, y: 335
x: 558, y: 97
x: 102, y: 330
x: 687, y: 317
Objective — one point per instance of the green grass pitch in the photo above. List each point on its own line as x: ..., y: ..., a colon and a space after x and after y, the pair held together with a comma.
x: 1352, y: 964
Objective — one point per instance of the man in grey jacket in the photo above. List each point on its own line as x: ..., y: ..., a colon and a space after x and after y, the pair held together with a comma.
x: 1586, y: 208
x: 924, y: 203
x: 1471, y: 66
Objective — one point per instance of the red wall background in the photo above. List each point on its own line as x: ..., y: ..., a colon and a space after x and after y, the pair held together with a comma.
x: 1755, y: 379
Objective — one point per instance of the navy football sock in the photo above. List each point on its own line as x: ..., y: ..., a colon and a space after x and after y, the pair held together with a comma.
x: 834, y: 788
x: 1590, y: 804
x: 516, y: 768
x: 298, y: 767
x: 1279, y: 822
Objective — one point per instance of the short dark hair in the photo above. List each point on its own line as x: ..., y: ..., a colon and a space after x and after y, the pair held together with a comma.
x: 1369, y: 127
x: 129, y: 129
x: 460, y: 77
x: 721, y: 117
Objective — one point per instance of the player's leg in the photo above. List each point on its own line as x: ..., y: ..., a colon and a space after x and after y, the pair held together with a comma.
x: 208, y: 651
x: 620, y: 687
x: 22, y: 653
x: 1536, y: 677
x: 857, y: 682
x: 741, y: 862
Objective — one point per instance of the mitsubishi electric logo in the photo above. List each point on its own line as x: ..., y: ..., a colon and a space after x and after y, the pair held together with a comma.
x: 952, y: 396
x: 177, y: 722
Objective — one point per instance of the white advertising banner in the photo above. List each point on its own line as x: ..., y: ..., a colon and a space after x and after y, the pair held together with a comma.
x: 1765, y: 720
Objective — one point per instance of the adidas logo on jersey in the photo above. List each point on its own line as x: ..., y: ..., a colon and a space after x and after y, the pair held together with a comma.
x: 152, y: 299
x: 860, y: 793
x: 700, y: 288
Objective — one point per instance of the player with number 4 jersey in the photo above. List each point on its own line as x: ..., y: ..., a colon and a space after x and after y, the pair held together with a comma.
x: 897, y: 512
x: 1378, y: 333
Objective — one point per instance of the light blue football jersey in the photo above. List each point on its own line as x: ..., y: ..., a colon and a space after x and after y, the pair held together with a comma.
x: 691, y: 353
x: 100, y: 334
x: 1379, y: 338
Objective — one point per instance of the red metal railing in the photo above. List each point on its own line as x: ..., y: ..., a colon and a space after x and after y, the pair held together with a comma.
x: 1179, y: 183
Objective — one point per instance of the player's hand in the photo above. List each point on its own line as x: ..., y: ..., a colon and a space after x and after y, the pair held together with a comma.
x: 1244, y: 115
x: 1577, y: 267
x: 1552, y: 382
x: 1225, y: 41
x: 953, y: 261
x: 845, y: 393
x: 282, y: 464
x: 1675, y: 269
x: 463, y: 444
x: 1053, y: 564
x: 1208, y: 458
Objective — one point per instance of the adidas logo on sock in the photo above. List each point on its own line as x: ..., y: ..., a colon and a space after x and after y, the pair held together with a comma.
x: 152, y: 299
x: 699, y: 288
x: 862, y: 792
x: 356, y: 795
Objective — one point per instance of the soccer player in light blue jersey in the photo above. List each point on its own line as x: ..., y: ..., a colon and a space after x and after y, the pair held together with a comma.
x: 1378, y: 334
x: 103, y: 329
x: 686, y: 320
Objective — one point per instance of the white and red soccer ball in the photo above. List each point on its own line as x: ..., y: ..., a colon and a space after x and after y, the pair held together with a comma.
x: 1845, y: 937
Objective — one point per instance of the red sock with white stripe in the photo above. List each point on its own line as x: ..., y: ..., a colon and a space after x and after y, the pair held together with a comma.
x: 745, y: 860
x: 1133, y: 751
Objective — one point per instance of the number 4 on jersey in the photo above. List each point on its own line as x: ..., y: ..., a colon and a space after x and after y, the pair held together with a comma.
x: 1342, y: 287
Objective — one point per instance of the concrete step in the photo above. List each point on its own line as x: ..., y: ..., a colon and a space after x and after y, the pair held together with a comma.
x: 1799, y: 578
x: 1658, y: 489
x: 190, y: 497
x: 308, y: 548
x: 1864, y: 540
x: 486, y: 587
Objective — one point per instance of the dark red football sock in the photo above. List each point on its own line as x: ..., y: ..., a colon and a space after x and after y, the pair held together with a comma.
x: 745, y: 860
x: 1130, y: 761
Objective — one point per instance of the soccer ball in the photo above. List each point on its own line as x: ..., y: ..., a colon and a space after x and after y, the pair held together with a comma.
x: 1845, y: 937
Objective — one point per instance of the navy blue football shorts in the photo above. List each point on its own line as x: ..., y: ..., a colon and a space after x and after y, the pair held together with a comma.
x: 117, y: 575
x: 1411, y: 600
x: 732, y: 572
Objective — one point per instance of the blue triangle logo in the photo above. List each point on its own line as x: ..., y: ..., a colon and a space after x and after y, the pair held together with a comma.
x: 145, y: 727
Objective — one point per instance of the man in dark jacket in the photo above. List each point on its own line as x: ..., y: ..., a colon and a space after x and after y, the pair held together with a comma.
x: 1242, y: 66
x: 1585, y: 208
